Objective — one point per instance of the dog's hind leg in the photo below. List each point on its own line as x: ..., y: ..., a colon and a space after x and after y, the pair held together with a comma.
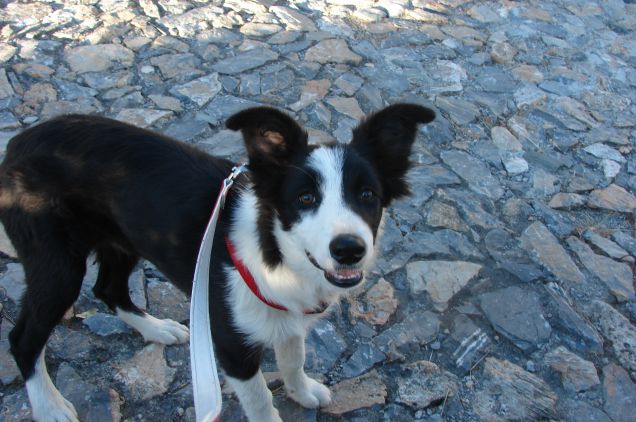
x: 54, y: 260
x: 115, y: 267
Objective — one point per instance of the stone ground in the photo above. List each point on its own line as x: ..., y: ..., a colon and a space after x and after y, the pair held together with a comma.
x: 505, y: 290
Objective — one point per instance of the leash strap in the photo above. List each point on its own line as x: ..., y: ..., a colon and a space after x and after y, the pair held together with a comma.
x: 205, y: 378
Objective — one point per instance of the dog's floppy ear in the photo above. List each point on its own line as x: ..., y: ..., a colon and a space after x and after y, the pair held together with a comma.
x: 271, y: 136
x: 386, y: 138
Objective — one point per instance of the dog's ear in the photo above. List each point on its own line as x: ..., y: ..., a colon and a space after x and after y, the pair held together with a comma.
x: 271, y: 137
x: 385, y: 138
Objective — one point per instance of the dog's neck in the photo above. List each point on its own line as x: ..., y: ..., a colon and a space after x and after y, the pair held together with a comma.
x: 296, y: 291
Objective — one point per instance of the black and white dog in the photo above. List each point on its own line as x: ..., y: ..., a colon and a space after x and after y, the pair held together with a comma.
x: 303, y: 222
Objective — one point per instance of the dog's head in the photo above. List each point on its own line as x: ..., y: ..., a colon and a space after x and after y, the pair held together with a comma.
x: 320, y: 206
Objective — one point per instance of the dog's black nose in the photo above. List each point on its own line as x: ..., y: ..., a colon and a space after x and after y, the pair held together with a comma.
x: 347, y: 249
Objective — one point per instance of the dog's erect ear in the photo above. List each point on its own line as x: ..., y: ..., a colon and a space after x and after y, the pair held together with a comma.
x: 271, y: 136
x: 386, y: 138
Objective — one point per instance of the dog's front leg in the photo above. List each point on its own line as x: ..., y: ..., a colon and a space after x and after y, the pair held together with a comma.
x: 255, y: 398
x: 290, y: 356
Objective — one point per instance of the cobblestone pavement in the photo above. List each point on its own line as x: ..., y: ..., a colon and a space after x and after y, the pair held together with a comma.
x: 505, y: 290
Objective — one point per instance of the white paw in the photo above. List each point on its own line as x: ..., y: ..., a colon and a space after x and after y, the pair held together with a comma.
x: 163, y: 331
x: 53, y: 407
x: 311, y: 394
x: 166, y: 331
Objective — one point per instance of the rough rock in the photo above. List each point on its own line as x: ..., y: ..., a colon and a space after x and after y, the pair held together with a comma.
x: 618, y: 330
x: 510, y: 256
x: 517, y: 314
x: 440, y: 279
x: 474, y: 172
x: 577, y: 374
x: 619, y: 392
x: 142, y: 117
x: 510, y: 393
x: 363, y: 359
x: 332, y: 51
x: 548, y: 252
x: 426, y: 384
x: 92, y: 402
x: 200, y: 90
x: 356, y: 393
x: 418, y: 327
x: 614, y: 198
x: 98, y: 58
x: 146, y: 374
x: 377, y: 305
x: 617, y: 276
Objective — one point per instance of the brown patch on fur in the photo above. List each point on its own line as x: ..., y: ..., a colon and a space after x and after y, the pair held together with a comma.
x: 275, y: 138
x: 16, y: 195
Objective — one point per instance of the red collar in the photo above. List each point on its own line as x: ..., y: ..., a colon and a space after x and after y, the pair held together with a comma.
x: 251, y: 283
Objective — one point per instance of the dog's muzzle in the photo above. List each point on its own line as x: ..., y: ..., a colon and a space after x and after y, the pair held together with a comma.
x: 341, y: 277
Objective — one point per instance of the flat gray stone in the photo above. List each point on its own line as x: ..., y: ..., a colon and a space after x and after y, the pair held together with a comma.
x: 6, y: 90
x: 508, y: 254
x: 92, y: 401
x: 181, y: 65
x: 618, y: 330
x: 460, y: 111
x: 324, y: 346
x: 245, y: 61
x: 98, y: 58
x: 9, y: 371
x: 626, y: 241
x: 600, y: 150
x: 332, y: 51
x: 516, y: 314
x: 364, y: 358
x: 201, y: 90
x: 142, y: 117
x: 166, y: 301
x: 474, y: 172
x: 576, y: 331
x: 617, y: 276
x: 608, y: 247
x: 12, y: 280
x: 440, y: 279
x: 419, y: 327
x: 106, y: 325
x: 470, y: 343
x: 547, y: 251
x: 293, y: 19
x: 619, y: 392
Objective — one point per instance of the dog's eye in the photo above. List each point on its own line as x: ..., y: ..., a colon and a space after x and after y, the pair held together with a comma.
x: 306, y: 199
x: 367, y: 195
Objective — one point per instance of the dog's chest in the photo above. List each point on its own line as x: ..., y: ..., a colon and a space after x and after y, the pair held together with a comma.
x: 259, y: 322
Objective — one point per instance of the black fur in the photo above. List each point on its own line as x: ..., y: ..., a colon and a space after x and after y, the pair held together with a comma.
x: 78, y: 184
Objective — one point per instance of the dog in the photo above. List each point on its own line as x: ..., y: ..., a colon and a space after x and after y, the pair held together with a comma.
x: 303, y: 222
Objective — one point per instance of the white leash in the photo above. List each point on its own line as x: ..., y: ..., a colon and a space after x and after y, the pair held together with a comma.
x: 205, y: 378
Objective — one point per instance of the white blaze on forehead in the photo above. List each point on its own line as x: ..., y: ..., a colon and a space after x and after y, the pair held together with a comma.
x: 334, y: 216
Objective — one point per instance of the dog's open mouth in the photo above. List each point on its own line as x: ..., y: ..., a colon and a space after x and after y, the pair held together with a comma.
x: 343, y: 277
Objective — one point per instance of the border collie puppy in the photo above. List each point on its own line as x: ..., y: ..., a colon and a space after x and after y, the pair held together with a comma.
x: 303, y: 222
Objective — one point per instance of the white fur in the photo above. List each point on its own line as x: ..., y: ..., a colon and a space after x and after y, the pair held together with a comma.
x: 255, y: 398
x: 47, y: 404
x: 163, y: 331
x: 297, y: 284
x: 290, y: 357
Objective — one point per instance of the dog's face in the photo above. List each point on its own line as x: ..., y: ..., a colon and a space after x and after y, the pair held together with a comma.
x: 320, y: 207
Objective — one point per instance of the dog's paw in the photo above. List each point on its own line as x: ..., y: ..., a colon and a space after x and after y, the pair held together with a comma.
x: 311, y: 394
x: 166, y: 331
x: 54, y: 409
